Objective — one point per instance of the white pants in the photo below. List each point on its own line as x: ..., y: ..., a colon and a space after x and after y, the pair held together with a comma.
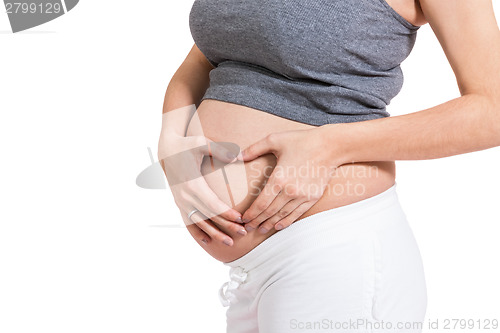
x: 355, y: 268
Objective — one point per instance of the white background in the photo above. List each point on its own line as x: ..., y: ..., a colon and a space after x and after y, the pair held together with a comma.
x: 80, y: 246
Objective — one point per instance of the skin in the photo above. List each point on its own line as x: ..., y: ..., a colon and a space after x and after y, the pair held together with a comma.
x: 242, y: 125
x: 470, y: 38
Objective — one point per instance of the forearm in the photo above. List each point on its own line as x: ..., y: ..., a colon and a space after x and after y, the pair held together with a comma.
x: 462, y: 125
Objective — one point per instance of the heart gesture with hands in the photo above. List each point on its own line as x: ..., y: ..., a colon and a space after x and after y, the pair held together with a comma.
x: 305, y: 164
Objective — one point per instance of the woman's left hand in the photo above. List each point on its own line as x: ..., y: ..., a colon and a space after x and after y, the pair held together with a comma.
x: 305, y: 164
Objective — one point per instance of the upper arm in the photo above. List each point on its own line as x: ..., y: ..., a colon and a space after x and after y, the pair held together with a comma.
x: 469, y: 34
x: 196, y: 55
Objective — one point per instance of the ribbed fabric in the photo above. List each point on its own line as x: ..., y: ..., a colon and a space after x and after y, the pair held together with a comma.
x: 316, y: 62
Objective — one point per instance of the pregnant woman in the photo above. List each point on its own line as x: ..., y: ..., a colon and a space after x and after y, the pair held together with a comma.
x: 307, y: 216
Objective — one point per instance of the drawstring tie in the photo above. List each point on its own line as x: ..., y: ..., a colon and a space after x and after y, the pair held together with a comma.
x: 237, y: 276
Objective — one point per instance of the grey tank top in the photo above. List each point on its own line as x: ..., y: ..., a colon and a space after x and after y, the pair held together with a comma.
x: 313, y: 61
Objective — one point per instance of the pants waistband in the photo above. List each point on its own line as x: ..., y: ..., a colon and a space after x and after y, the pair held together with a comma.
x: 327, y: 226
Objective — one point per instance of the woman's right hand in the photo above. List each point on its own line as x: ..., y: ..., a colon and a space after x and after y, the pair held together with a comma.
x: 181, y: 159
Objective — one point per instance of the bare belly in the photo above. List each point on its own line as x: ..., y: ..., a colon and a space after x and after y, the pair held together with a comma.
x: 227, y: 122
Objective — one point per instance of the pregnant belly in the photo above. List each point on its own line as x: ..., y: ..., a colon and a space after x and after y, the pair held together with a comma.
x: 239, y: 184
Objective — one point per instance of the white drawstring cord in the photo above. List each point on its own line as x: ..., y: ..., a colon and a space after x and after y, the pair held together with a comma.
x: 237, y: 276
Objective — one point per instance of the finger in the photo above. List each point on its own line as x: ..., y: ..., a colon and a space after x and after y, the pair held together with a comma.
x: 220, y: 222
x: 293, y: 216
x: 199, y: 235
x: 278, y: 203
x: 186, y: 207
x: 261, y: 147
x: 281, y: 214
x: 202, y: 222
x: 195, y: 231
x: 210, y: 229
x: 267, y: 195
x: 223, y: 151
x: 216, y: 206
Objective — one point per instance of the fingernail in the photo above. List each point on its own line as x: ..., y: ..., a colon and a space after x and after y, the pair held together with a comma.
x: 242, y: 231
x: 238, y: 219
x: 279, y: 227
x: 263, y: 230
x: 230, y: 155
x: 228, y: 242
x: 245, y: 220
x: 249, y: 228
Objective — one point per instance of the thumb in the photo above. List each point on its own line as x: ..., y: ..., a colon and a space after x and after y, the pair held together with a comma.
x: 255, y: 150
